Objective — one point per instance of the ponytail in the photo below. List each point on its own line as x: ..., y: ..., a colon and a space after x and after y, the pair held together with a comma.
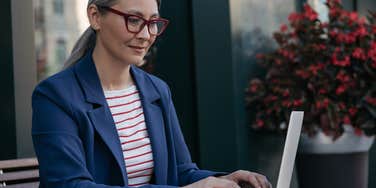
x: 85, y: 43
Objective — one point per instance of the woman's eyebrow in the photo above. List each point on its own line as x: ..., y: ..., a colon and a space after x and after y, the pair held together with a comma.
x: 138, y: 13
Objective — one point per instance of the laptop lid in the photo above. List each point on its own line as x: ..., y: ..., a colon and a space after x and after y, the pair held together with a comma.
x: 290, y: 149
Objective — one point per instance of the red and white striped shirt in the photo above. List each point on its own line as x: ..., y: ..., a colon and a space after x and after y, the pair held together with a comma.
x: 126, y: 109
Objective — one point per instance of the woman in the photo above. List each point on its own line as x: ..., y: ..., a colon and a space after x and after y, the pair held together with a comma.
x: 102, y: 122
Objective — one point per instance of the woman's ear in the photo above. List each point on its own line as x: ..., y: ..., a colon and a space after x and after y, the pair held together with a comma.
x: 94, y: 17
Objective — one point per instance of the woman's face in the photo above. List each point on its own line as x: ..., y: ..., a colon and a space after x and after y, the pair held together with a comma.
x: 117, y: 41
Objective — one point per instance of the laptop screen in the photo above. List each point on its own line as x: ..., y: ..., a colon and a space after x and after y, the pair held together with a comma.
x: 291, y: 146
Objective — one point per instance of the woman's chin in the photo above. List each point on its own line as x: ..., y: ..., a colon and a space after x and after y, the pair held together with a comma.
x: 134, y: 59
x: 137, y: 62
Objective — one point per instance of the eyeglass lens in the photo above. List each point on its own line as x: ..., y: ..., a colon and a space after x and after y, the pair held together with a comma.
x: 136, y: 24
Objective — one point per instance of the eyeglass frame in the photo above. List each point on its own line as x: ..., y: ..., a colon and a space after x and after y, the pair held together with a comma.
x: 145, y: 21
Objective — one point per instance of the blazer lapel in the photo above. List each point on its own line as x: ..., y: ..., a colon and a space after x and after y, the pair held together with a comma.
x: 100, y: 115
x: 102, y: 120
x: 150, y: 99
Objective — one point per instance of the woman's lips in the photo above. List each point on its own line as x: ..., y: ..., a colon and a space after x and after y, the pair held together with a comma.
x: 138, y: 49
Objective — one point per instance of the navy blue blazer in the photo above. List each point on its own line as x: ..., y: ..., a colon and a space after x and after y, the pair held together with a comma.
x: 76, y: 141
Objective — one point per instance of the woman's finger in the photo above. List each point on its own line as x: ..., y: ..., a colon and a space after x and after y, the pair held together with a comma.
x: 263, y: 180
x: 223, y: 183
x: 254, y: 181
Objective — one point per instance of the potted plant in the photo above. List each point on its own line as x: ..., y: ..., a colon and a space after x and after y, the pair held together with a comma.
x: 328, y: 70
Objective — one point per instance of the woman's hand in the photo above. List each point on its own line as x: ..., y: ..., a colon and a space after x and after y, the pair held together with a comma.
x: 213, y: 182
x: 255, y: 179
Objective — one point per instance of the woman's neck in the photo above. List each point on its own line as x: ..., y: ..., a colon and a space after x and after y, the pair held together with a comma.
x: 113, y: 74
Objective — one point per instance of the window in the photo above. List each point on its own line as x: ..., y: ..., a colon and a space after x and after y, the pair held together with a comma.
x: 60, y: 53
x: 58, y: 7
x: 56, y: 35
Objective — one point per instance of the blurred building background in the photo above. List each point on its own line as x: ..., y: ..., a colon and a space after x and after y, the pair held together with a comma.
x: 206, y: 62
x: 58, y: 24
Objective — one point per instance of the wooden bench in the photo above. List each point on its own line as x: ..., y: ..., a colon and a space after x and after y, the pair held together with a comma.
x: 19, y: 173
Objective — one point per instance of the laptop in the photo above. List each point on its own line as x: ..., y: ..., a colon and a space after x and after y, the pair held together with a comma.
x: 289, y: 152
x: 290, y: 149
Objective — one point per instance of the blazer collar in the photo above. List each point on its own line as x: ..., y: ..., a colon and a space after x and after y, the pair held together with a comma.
x: 101, y: 117
x: 87, y: 75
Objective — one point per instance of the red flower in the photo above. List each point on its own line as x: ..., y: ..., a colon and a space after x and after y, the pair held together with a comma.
x: 274, y: 81
x: 362, y: 21
x: 333, y: 33
x: 294, y: 17
x: 341, y: 63
x: 343, y: 77
x: 259, y: 123
x: 346, y: 38
x: 353, y: 16
x: 302, y: 73
x: 371, y: 100
x: 326, y: 102
x: 353, y: 111
x: 346, y: 120
x: 283, y: 28
x: 298, y: 102
x: 310, y: 13
x: 286, y: 103
x: 361, y: 32
x: 254, y: 85
x: 253, y: 88
x: 318, y: 105
x: 374, y: 29
x: 333, y: 13
x: 372, y: 52
x: 323, y: 91
x: 334, y: 9
x: 373, y: 44
x: 293, y: 35
x: 319, y: 47
x: 315, y: 68
x: 286, y: 53
x: 358, y: 53
x: 270, y: 99
x: 342, y: 106
x: 324, y: 25
x: 322, y: 104
x: 286, y: 93
x: 341, y: 89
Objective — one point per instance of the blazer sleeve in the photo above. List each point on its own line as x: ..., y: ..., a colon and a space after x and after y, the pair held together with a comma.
x: 188, y: 171
x: 58, y: 147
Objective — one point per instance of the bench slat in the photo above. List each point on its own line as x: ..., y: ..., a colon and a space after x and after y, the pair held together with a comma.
x: 24, y: 185
x: 17, y: 163
x: 19, y: 175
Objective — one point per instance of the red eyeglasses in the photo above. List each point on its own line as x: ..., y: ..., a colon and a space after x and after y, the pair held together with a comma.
x: 135, y: 23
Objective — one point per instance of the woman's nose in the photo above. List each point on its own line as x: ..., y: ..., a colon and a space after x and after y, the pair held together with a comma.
x: 144, y: 33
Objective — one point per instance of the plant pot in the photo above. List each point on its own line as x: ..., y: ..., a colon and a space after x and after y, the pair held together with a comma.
x: 324, y: 163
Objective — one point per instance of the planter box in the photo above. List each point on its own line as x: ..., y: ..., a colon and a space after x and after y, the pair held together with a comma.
x: 326, y: 163
x: 348, y: 170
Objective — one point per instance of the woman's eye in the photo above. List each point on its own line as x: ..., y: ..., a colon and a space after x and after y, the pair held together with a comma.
x: 134, y: 21
x: 153, y: 24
